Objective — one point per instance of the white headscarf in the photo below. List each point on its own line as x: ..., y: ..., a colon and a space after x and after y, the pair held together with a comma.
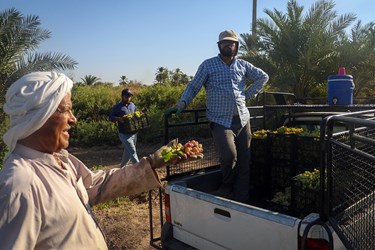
x: 30, y: 101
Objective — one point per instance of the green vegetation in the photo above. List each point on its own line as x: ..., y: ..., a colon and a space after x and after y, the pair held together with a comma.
x: 92, y: 105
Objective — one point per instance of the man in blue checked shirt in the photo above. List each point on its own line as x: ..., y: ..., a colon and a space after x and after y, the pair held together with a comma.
x: 224, y: 78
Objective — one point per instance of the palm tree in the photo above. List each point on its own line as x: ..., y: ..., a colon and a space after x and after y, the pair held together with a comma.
x: 177, y: 77
x: 357, y: 54
x: 162, y: 75
x: 90, y: 79
x: 19, y: 38
x: 297, y: 51
x: 123, y: 80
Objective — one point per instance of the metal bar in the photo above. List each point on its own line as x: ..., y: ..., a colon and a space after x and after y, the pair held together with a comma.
x: 150, y: 217
x: 187, y: 124
x: 161, y: 208
x: 354, y: 150
x: 363, y: 139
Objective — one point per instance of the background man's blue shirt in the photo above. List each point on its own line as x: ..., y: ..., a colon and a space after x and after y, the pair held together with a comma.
x: 121, y: 109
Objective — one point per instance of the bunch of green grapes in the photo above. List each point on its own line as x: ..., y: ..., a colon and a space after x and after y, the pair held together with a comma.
x: 283, y: 198
x: 288, y: 131
x: 135, y: 114
x: 138, y: 114
x: 261, y: 134
x: 309, y: 179
x: 179, y: 152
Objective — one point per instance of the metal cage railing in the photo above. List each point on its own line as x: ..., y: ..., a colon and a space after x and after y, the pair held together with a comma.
x: 348, y: 178
x: 191, y: 125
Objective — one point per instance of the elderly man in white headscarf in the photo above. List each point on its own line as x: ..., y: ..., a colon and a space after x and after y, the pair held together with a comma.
x: 45, y: 192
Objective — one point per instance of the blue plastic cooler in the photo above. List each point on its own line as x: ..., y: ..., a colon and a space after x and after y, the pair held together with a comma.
x: 340, y: 89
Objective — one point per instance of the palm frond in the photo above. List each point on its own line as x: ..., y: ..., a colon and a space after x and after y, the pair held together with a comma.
x: 41, y: 62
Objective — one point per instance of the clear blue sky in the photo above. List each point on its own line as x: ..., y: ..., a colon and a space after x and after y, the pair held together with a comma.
x: 134, y: 37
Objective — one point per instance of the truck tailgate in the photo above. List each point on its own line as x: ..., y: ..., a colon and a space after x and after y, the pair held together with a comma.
x: 227, y: 224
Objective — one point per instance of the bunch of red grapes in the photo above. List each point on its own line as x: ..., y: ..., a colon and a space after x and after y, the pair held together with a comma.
x: 180, y: 152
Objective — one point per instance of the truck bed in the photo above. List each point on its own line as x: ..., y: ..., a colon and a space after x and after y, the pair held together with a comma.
x: 343, y: 217
x: 208, y: 181
x: 221, y: 217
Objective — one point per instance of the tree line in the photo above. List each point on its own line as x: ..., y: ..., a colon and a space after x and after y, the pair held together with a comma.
x: 162, y: 76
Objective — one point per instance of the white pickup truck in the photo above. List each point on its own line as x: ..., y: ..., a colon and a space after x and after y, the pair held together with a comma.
x: 342, y: 215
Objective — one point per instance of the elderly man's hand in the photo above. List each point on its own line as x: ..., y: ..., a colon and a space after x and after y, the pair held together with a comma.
x: 156, y: 159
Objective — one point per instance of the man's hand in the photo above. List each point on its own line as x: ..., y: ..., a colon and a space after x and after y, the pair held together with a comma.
x: 173, y: 110
x: 176, y: 109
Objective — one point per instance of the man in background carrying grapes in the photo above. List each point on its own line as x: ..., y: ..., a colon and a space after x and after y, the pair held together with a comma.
x: 128, y: 139
x: 224, y: 79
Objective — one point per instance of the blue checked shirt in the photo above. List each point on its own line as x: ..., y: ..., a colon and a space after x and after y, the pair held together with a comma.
x: 225, y: 89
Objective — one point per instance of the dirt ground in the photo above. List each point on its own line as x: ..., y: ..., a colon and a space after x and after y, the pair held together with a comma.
x: 125, y: 222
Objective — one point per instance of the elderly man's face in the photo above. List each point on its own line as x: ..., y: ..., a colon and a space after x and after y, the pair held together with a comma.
x: 54, y: 135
